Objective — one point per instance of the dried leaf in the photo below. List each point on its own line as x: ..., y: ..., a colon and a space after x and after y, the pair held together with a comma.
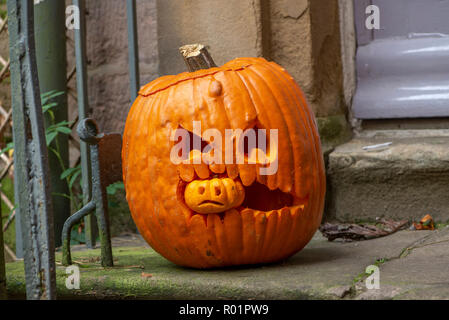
x: 146, y: 275
x: 426, y: 223
x: 358, y: 232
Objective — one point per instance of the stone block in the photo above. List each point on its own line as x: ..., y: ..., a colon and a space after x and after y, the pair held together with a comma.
x: 229, y: 29
x: 406, y: 180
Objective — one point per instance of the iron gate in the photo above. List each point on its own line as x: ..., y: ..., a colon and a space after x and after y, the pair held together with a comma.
x: 31, y: 181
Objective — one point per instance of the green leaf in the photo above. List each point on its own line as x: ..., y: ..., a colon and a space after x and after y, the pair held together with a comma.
x: 69, y: 172
x: 50, y: 136
x: 47, y: 107
x: 45, y: 97
x: 73, y: 178
x: 8, y: 147
x: 112, y: 188
x: 64, y: 130
x: 64, y: 124
x: 61, y: 195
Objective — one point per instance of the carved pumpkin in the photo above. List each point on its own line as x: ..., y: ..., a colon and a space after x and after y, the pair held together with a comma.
x: 214, y: 215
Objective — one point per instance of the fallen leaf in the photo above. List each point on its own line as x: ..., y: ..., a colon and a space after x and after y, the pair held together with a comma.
x: 350, y: 232
x: 426, y: 223
x: 146, y: 275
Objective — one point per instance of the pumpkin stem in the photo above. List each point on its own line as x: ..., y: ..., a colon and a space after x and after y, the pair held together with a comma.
x: 196, y: 57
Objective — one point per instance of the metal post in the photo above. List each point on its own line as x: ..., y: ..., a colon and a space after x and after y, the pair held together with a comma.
x: 31, y: 185
x: 83, y: 107
x: 51, y: 60
x: 133, y: 49
x: 105, y: 162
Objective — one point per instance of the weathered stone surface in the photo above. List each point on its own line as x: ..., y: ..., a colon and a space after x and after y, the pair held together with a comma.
x: 340, y: 292
x: 291, y: 41
x: 302, y: 36
x: 327, y: 64
x: 406, y: 180
x: 348, y: 48
x: 334, y: 130
x: 320, y: 271
x: 107, y: 54
x: 305, y: 39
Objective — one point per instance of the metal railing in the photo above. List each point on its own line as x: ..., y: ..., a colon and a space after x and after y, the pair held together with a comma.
x: 30, y: 155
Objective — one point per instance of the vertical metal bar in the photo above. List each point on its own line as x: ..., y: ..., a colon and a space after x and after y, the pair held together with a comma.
x: 83, y: 107
x: 133, y: 49
x: 30, y: 155
x: 101, y: 209
x: 51, y: 57
x: 19, y: 242
x: 2, y: 262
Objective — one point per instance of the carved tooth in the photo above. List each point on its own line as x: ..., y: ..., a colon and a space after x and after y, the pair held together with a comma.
x: 186, y: 172
x: 232, y: 171
x: 202, y: 170
x: 217, y: 168
x: 247, y: 210
x: 247, y: 173
x: 260, y: 178
x: 269, y: 213
x: 272, y: 182
x: 284, y: 211
x: 297, y: 210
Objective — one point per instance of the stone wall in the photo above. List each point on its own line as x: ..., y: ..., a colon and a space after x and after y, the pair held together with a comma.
x: 301, y: 35
x: 107, y: 54
x: 229, y: 28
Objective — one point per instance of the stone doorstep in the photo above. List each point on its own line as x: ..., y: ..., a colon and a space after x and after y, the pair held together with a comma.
x: 406, y: 180
x: 322, y: 270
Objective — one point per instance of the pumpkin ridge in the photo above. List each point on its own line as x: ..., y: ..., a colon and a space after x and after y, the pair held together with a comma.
x: 258, y: 122
x: 304, y: 126
x: 167, y: 233
x: 320, y: 183
x: 285, y: 109
x: 305, y: 114
x: 272, y: 179
x: 278, y: 177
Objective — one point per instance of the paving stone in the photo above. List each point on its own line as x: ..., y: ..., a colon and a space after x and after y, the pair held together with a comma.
x: 313, y: 273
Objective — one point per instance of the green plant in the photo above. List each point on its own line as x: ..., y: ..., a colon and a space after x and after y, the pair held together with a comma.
x: 52, y: 131
x: 71, y: 175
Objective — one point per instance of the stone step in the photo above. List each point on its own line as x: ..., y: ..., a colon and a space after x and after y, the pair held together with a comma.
x: 322, y: 270
x: 405, y: 180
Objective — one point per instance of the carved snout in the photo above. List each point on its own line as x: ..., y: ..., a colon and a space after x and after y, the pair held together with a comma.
x: 214, y: 195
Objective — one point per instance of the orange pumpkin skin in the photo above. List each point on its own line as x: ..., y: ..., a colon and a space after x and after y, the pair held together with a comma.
x: 241, y: 94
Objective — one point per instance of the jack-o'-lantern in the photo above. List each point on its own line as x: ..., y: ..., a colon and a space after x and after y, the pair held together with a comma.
x: 210, y: 214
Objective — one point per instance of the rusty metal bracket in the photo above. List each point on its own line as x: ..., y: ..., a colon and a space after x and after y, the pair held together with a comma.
x: 106, y: 167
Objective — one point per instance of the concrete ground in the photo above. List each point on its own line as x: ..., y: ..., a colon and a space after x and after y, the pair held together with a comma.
x: 412, y: 265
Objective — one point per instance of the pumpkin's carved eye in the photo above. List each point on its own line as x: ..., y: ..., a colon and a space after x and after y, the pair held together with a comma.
x: 188, y: 144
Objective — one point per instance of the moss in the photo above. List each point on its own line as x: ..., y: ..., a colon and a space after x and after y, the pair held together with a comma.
x: 334, y: 130
x: 167, y: 281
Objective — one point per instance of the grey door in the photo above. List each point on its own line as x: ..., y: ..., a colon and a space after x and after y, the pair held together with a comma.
x: 403, y: 67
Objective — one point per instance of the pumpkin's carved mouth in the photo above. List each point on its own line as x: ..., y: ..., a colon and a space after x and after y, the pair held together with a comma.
x: 211, y: 202
x: 257, y: 198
